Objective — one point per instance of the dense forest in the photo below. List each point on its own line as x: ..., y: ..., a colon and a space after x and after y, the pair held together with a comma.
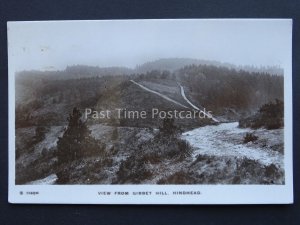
x: 219, y: 87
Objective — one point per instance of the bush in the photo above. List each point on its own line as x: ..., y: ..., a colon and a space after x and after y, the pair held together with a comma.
x: 270, y: 116
x: 151, y: 155
x: 185, y: 149
x: 115, y: 134
x: 168, y: 127
x: 133, y: 170
x: 180, y: 177
x: 88, y: 170
x: 249, y: 137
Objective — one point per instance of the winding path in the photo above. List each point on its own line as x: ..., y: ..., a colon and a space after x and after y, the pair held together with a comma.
x: 159, y: 94
x: 174, y: 101
x: 220, y: 140
x: 195, y: 107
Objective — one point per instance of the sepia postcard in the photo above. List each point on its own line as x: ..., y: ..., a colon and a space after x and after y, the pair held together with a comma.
x: 172, y: 111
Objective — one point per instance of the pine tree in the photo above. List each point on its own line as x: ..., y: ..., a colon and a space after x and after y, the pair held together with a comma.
x: 168, y: 126
x: 75, y: 144
x: 74, y: 140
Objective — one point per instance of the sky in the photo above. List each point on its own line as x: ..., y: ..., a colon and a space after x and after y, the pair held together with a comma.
x: 53, y: 45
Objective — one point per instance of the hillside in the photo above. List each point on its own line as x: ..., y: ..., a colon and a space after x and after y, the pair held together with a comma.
x: 147, y: 150
x: 173, y: 64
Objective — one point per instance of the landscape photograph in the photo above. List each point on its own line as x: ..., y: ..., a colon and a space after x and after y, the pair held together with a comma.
x: 149, y: 103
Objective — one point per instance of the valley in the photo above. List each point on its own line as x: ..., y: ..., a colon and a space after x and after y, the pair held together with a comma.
x: 119, y: 149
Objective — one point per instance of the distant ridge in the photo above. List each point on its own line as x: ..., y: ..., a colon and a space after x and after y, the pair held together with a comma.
x: 173, y: 64
x: 166, y: 64
x: 79, y: 71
